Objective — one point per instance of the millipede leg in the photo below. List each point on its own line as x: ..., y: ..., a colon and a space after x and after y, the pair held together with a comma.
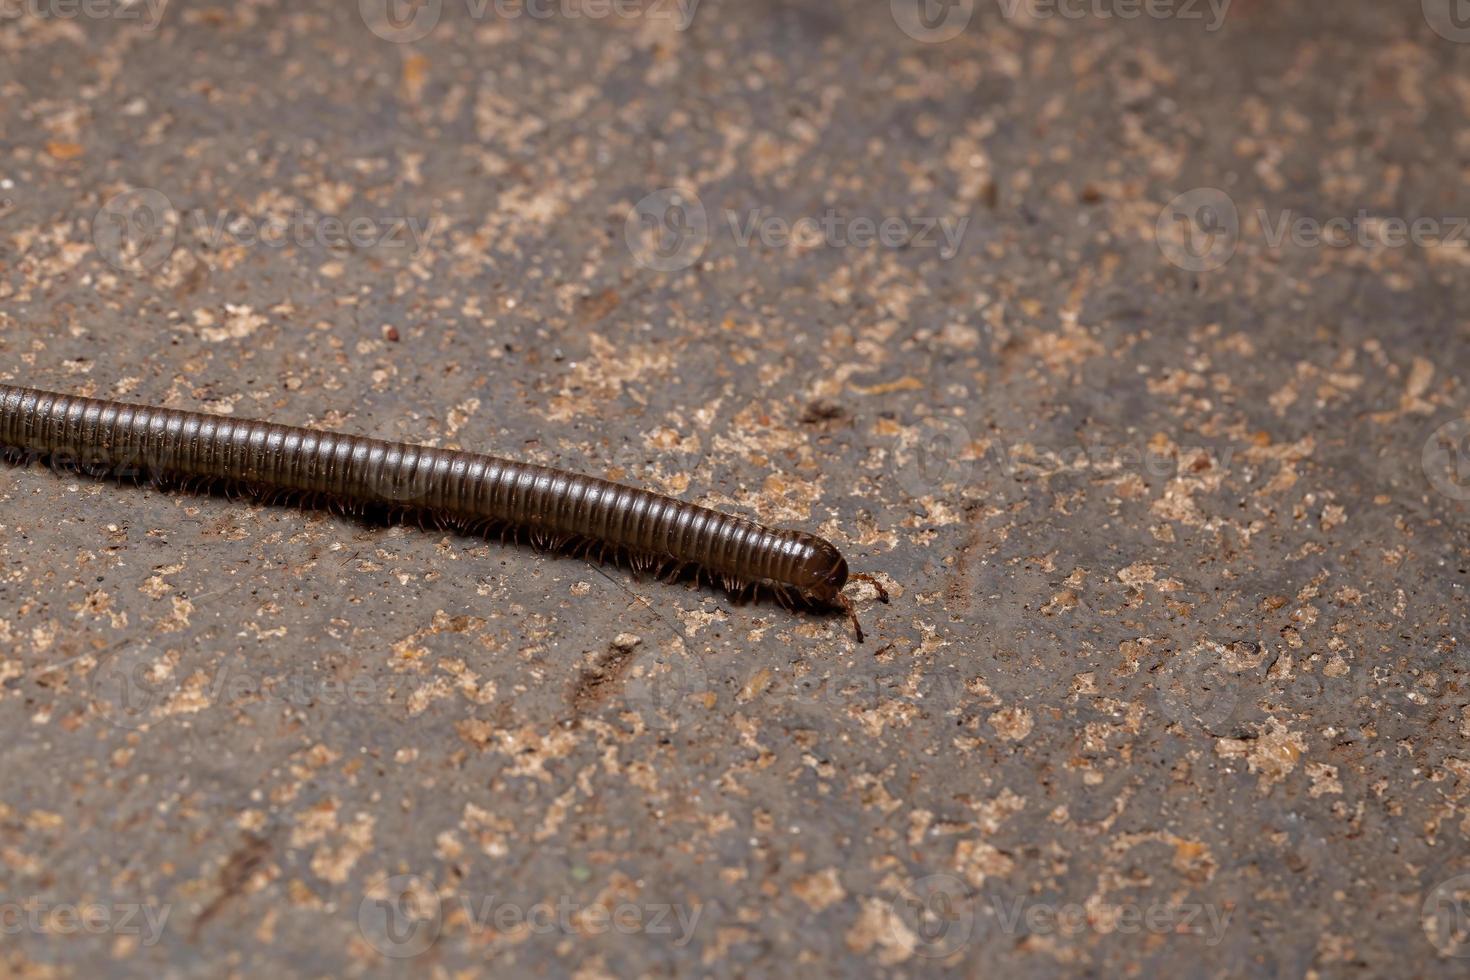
x: 863, y: 577
x: 845, y: 604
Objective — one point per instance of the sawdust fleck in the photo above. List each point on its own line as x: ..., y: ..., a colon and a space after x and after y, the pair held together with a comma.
x: 819, y: 890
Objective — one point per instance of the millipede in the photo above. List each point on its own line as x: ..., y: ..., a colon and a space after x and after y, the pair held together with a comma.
x: 471, y: 492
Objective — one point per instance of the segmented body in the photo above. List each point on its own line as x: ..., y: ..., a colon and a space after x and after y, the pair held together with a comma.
x: 554, y: 505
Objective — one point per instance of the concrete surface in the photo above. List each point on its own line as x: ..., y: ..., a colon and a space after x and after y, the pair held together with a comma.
x: 1175, y: 522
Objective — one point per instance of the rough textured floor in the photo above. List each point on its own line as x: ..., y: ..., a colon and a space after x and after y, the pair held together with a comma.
x: 1171, y: 498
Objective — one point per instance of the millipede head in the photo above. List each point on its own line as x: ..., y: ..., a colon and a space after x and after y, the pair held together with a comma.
x: 823, y: 573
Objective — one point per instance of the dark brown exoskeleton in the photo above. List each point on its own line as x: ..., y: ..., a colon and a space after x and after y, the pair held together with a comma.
x: 473, y: 491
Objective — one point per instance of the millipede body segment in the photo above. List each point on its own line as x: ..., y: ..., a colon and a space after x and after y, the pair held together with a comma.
x: 472, y: 490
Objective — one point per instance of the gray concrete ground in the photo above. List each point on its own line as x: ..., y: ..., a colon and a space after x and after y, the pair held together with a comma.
x: 1027, y: 306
